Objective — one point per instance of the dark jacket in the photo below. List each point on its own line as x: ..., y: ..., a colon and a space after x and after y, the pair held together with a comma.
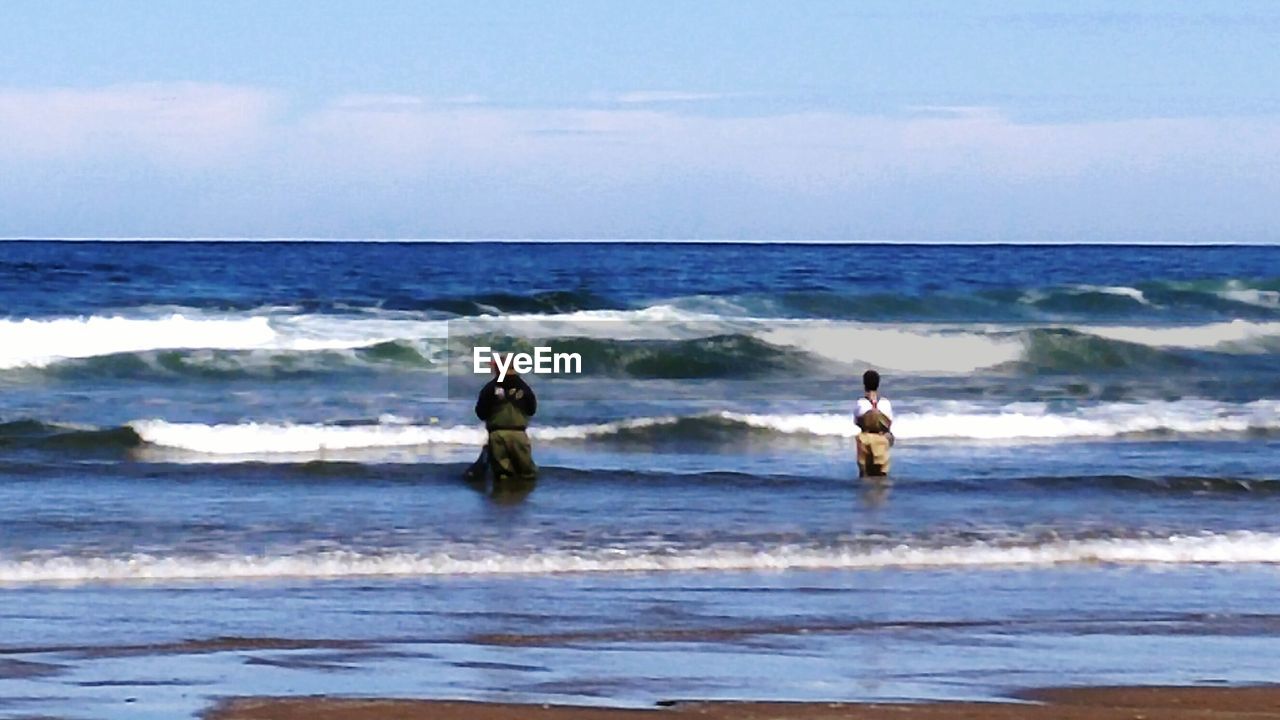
x: 498, y: 400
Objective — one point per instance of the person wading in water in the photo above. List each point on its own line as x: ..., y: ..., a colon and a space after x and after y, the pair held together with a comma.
x: 874, y: 416
x: 505, y: 407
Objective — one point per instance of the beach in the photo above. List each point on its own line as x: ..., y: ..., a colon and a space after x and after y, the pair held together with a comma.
x: 1136, y: 703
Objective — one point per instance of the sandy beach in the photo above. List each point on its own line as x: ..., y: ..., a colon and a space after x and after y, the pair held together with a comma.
x: 1120, y: 703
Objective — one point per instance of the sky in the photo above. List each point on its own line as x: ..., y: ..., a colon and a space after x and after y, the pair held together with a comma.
x: 975, y: 121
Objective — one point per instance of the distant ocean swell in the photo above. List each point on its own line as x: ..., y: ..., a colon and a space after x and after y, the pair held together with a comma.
x: 1162, y: 300
x: 1208, y: 548
x: 658, y: 342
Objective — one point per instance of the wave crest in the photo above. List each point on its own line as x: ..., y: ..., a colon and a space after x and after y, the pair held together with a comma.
x: 952, y: 421
x: 1229, y: 548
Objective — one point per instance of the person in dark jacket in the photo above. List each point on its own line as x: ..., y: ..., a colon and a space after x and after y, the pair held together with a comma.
x: 505, y: 407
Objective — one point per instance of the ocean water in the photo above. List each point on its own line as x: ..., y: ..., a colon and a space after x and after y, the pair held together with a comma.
x: 235, y: 468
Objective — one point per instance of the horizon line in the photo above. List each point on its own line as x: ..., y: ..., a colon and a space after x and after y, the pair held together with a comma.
x: 632, y: 241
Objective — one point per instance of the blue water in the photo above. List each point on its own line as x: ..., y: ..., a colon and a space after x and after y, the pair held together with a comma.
x: 264, y: 442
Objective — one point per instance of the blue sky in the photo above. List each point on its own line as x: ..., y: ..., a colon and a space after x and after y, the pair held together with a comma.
x: 897, y: 121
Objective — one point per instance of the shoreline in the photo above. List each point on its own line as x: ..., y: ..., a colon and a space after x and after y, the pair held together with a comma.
x: 1079, y: 703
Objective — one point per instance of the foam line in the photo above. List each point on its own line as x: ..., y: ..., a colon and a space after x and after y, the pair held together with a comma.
x: 1230, y: 548
x: 1020, y: 421
x: 1036, y: 421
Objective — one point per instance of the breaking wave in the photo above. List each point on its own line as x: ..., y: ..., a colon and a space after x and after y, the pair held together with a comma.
x: 1161, y: 301
x: 660, y: 341
x: 1037, y: 421
x: 1017, y: 422
x: 40, y: 343
x: 1228, y: 548
x: 949, y: 420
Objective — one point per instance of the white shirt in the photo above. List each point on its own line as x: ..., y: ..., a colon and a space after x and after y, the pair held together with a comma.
x: 864, y: 406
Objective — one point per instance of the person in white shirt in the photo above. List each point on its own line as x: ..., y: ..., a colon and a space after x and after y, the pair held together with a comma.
x: 874, y: 416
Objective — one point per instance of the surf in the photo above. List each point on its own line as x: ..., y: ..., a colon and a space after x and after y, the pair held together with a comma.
x: 952, y: 421
x: 662, y: 340
x: 1233, y: 548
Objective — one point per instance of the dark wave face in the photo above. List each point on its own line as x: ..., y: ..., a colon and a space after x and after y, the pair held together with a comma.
x: 717, y: 356
x: 1068, y: 351
x: 1162, y: 485
x: 1143, y: 301
x: 723, y: 356
x: 33, y: 435
x: 549, y: 302
x: 230, y: 365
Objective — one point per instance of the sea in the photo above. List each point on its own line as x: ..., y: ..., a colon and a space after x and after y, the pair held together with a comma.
x: 235, y: 468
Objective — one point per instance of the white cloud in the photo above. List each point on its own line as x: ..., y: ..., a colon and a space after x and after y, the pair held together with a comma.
x: 954, y: 111
x: 471, y: 99
x: 402, y: 102
x: 384, y: 156
x: 379, y: 102
x: 648, y: 97
x: 184, y: 123
x: 799, y: 151
x: 187, y: 124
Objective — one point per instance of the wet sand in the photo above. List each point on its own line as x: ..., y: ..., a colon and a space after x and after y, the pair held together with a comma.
x: 1122, y: 703
x: 188, y: 647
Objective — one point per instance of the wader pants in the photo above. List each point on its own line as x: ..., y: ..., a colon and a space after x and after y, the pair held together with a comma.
x: 511, y: 457
x: 873, y: 454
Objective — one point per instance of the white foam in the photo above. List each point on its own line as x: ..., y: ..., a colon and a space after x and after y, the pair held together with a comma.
x: 1250, y: 296
x: 1230, y: 548
x: 657, y: 322
x: 582, y: 432
x: 258, y: 439
x: 943, y: 348
x: 907, y: 348
x: 960, y: 348
x: 1015, y: 422
x: 330, y: 332
x: 904, y: 348
x: 1036, y: 421
x: 267, y: 438
x: 821, y: 424
x: 1203, y: 337
x: 38, y: 343
x: 1120, y: 290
